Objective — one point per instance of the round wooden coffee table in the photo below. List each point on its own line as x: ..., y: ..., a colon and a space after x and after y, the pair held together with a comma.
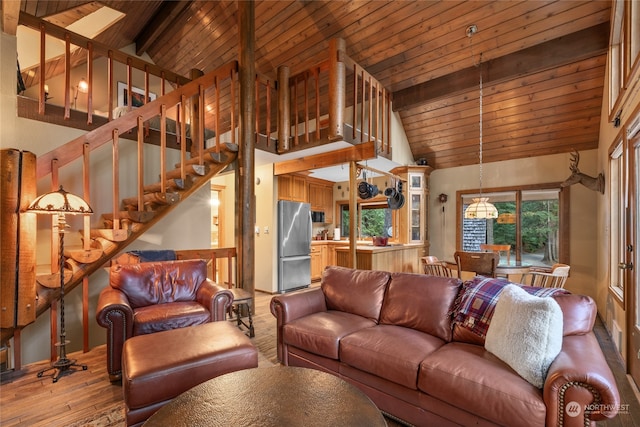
x: 275, y: 396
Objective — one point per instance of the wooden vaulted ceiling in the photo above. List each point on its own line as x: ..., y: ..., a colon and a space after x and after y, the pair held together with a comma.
x: 543, y: 62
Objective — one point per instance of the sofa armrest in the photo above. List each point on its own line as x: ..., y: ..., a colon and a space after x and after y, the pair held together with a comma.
x: 580, y: 385
x: 288, y: 307
x: 114, y: 313
x: 216, y: 298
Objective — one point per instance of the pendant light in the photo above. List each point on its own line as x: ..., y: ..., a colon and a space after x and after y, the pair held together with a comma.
x: 480, y: 208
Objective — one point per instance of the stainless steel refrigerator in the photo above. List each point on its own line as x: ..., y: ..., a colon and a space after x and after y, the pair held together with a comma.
x: 294, y: 245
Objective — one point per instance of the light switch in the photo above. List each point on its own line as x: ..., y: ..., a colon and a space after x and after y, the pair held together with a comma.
x: 266, y: 229
x: 257, y: 229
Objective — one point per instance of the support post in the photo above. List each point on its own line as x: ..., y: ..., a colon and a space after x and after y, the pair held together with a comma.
x: 245, y: 175
x: 284, y: 109
x: 337, y: 79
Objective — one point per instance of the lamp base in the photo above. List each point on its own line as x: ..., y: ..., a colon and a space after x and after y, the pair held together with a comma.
x: 63, y: 367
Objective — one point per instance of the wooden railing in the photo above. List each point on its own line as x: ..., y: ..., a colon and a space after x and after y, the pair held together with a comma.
x: 93, y: 50
x: 313, y: 106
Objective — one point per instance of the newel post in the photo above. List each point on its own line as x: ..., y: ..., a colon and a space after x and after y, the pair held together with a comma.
x: 284, y: 109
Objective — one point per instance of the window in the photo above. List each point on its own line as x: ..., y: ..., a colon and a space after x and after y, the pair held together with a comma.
x: 530, y: 220
x: 376, y: 219
x: 617, y: 228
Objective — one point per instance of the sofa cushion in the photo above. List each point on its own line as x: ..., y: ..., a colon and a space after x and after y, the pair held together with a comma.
x: 420, y: 302
x: 320, y: 333
x: 391, y: 352
x: 354, y: 291
x: 526, y: 333
x: 172, y: 315
x: 159, y: 282
x: 468, y: 376
x: 477, y: 301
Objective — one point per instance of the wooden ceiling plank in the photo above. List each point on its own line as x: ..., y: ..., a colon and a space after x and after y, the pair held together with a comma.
x: 554, y: 53
x: 160, y: 22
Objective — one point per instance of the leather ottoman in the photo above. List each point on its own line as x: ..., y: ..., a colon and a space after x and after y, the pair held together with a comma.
x: 158, y: 367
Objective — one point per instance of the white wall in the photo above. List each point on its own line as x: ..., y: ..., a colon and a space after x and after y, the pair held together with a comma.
x: 535, y: 170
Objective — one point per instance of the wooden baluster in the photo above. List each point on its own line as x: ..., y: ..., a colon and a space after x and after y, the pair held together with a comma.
x: 200, y: 124
x: 110, y: 83
x: 115, y: 179
x: 163, y: 147
x: 306, y: 107
x: 268, y: 112
x: 90, y: 83
x: 140, y: 164
x: 183, y: 139
x: 146, y: 84
x: 355, y: 98
x: 128, y: 101
x: 43, y: 37
x: 217, y: 117
x: 388, y: 122
x: 370, y: 124
x: 362, y: 92
x: 316, y: 75
x: 382, y: 119
x: 162, y: 83
x: 86, y: 240
x: 294, y: 100
x: 67, y: 77
x: 377, y: 93
x: 233, y: 106
x: 257, y: 115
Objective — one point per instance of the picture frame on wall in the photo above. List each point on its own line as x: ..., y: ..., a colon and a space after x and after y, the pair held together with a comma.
x: 137, y: 96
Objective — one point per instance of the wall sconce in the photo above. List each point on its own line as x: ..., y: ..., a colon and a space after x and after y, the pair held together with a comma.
x: 83, y: 87
x: 442, y: 198
x: 46, y: 93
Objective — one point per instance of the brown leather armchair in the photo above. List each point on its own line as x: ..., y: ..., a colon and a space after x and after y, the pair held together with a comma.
x: 156, y: 296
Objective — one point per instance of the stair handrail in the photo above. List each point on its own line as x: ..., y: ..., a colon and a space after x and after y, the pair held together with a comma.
x: 73, y: 149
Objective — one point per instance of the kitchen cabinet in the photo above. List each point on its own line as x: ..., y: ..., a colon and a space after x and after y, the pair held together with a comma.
x: 317, y: 264
x: 321, y: 199
x: 293, y: 188
x: 413, y: 216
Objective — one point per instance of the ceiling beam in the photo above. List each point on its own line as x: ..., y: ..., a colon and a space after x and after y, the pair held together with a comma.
x: 554, y: 53
x: 364, y: 151
x: 10, y: 16
x: 156, y: 26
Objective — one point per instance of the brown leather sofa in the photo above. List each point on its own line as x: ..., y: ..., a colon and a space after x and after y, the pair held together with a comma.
x: 156, y: 296
x: 393, y: 335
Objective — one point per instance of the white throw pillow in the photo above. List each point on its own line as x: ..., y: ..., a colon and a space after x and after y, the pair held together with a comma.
x: 525, y: 333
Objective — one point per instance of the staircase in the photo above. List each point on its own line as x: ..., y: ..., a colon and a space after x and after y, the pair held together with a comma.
x: 131, y: 216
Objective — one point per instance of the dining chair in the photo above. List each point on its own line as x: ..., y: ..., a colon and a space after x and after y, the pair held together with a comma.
x: 498, y: 249
x: 434, y: 267
x: 556, y: 278
x: 481, y: 263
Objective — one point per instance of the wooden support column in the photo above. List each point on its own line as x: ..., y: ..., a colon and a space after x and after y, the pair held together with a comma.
x: 337, y: 80
x: 353, y: 214
x: 245, y: 175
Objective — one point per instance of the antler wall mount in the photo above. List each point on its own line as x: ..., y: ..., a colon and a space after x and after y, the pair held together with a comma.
x: 595, y: 184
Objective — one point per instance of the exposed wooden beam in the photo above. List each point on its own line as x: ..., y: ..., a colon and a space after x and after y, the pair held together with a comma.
x: 164, y: 16
x: 356, y: 153
x: 10, y: 16
x: 554, y: 53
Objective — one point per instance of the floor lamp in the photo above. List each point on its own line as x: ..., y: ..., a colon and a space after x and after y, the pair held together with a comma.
x: 61, y: 203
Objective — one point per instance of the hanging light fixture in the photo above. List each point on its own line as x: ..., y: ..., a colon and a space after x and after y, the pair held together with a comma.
x: 480, y: 208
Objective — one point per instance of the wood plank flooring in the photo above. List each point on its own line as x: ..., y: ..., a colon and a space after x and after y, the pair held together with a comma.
x: 26, y: 400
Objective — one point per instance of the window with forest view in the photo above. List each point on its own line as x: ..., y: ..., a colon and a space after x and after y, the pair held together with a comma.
x: 375, y: 220
x: 528, y: 220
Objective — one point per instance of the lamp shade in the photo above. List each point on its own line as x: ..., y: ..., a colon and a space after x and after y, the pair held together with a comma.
x: 59, y: 202
x: 481, y: 209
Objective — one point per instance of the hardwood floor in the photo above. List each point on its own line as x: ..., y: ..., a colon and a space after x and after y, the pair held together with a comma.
x: 26, y: 400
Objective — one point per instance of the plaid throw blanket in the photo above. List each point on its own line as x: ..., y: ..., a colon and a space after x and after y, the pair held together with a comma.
x: 478, y: 299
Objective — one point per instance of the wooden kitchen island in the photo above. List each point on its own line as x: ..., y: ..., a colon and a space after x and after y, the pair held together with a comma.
x: 393, y: 258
